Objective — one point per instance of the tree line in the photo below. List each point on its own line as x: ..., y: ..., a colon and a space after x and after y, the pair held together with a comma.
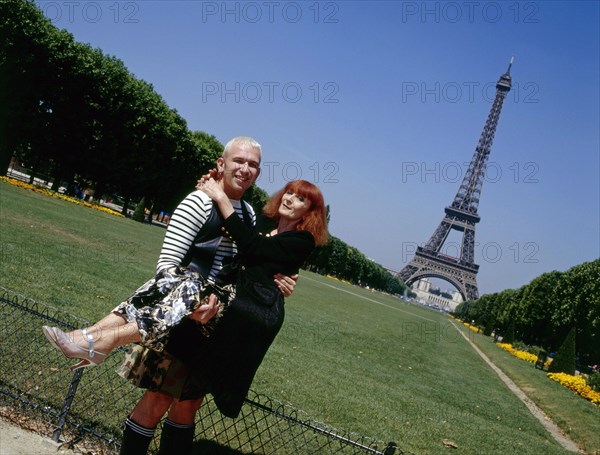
x: 543, y: 312
x: 343, y: 261
x: 73, y: 114
x: 70, y: 112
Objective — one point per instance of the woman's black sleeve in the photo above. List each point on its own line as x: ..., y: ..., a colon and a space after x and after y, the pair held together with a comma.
x: 295, y: 245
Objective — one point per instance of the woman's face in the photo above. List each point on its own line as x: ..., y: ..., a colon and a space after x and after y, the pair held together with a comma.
x: 293, y: 207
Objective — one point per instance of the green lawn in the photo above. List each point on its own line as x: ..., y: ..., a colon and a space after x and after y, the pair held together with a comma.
x: 358, y: 360
x: 69, y: 256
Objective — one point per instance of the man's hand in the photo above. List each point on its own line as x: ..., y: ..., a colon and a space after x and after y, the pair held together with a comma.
x: 205, y: 313
x: 286, y: 284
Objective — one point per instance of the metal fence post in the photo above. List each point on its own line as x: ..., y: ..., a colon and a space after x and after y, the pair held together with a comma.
x: 62, y: 417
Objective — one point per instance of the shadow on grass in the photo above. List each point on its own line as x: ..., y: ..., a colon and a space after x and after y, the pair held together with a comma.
x: 205, y: 447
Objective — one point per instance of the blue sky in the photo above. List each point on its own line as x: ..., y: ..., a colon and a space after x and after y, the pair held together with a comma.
x: 382, y: 105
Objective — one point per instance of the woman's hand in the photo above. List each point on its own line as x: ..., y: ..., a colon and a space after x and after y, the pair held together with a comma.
x: 213, y: 189
x: 212, y: 173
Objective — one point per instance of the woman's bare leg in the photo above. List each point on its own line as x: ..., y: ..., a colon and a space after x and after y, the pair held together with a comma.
x: 108, y: 333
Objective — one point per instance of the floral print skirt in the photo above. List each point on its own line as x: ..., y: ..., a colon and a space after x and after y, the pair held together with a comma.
x: 163, y: 301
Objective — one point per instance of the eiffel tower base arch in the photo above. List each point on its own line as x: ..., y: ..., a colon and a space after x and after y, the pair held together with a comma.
x: 462, y: 278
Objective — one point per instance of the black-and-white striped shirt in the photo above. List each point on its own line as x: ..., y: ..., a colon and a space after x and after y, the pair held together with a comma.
x: 188, y: 218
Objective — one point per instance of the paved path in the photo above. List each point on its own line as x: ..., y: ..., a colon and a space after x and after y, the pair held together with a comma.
x: 16, y: 441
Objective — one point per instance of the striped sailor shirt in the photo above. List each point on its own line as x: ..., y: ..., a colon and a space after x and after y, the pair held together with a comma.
x: 185, y: 224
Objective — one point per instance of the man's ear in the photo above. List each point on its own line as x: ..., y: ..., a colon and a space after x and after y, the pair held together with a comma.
x: 220, y: 164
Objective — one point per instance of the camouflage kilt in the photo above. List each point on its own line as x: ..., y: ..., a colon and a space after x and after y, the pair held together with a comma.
x: 156, y: 371
x: 162, y: 302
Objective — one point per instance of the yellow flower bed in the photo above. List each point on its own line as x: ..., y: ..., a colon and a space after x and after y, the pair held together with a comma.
x: 47, y: 192
x: 523, y: 355
x: 466, y: 324
x: 472, y: 327
x: 576, y: 384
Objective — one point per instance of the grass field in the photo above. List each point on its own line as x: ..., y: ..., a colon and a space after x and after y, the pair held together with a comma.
x: 354, y: 359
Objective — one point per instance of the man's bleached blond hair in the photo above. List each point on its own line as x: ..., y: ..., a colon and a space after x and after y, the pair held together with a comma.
x: 242, y: 141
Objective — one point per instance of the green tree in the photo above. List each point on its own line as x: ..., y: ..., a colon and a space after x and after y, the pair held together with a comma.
x: 25, y: 90
x: 507, y: 302
x: 140, y: 211
x: 564, y: 361
x: 544, y: 310
x: 256, y: 197
x: 577, y: 302
x: 317, y: 261
x: 337, y: 258
x: 509, y: 337
x: 207, y: 149
x: 194, y: 155
x: 70, y: 110
x: 355, y: 262
x: 536, y: 307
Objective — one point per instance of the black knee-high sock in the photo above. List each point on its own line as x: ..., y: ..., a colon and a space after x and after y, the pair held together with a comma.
x: 176, y: 438
x: 136, y: 438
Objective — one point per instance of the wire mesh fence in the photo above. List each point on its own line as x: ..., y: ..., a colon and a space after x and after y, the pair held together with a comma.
x: 90, y: 406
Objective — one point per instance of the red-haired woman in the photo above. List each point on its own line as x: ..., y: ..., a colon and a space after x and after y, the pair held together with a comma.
x: 294, y: 222
x: 224, y: 362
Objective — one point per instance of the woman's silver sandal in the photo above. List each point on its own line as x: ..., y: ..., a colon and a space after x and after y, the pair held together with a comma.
x: 88, y: 357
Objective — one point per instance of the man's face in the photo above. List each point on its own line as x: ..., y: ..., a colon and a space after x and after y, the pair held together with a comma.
x: 240, y: 167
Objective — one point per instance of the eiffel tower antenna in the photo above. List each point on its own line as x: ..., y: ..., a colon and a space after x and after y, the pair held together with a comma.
x: 461, y: 215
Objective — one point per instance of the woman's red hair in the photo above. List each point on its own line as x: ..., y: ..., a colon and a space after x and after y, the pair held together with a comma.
x: 315, y: 220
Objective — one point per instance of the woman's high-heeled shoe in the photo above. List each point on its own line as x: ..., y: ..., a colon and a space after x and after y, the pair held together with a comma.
x: 88, y: 357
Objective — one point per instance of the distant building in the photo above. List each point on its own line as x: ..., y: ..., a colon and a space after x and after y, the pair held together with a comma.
x: 427, y: 294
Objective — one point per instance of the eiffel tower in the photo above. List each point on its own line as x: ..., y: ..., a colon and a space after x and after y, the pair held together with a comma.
x: 461, y: 215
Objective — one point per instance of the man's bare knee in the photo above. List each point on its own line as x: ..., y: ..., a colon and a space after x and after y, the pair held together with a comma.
x: 150, y: 409
x: 184, y: 412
